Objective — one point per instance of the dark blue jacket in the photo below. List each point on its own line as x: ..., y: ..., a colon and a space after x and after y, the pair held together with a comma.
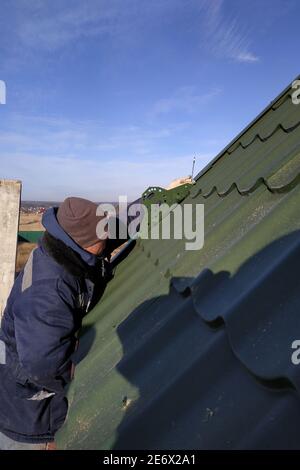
x: 38, y: 334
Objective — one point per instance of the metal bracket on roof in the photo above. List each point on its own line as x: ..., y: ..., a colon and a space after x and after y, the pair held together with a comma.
x: 157, y: 195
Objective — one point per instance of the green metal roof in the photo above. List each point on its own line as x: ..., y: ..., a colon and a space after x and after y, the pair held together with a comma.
x: 192, y: 349
x: 32, y: 236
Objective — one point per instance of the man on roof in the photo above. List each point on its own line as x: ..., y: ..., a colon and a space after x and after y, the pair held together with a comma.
x: 59, y: 284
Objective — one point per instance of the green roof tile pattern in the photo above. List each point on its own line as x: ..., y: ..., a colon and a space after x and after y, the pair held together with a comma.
x: 192, y: 349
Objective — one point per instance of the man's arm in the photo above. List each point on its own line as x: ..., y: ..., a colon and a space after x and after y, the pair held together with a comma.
x: 113, y: 244
x: 45, y: 333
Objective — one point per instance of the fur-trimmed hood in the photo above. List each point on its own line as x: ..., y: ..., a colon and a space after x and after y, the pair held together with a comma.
x: 63, y: 249
x: 72, y: 261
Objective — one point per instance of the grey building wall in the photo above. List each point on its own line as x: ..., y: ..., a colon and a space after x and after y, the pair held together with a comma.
x: 10, y: 194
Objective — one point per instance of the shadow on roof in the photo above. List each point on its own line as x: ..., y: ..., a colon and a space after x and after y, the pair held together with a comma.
x: 178, y: 347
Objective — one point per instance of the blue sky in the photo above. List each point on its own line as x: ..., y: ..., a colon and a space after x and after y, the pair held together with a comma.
x: 107, y: 97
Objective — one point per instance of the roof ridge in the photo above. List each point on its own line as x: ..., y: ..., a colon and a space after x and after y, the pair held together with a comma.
x: 281, y: 100
x: 273, y: 105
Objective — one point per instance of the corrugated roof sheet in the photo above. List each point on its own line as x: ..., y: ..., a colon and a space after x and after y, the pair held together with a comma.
x: 192, y: 349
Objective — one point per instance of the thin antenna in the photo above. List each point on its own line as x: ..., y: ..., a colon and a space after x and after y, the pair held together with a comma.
x: 193, y: 167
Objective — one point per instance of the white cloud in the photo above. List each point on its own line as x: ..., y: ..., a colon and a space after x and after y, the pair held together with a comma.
x: 55, y: 157
x: 225, y: 37
x: 41, y: 134
x: 45, y: 26
x: 184, y: 99
x: 247, y: 57
x: 30, y: 30
x: 49, y: 26
x: 102, y: 180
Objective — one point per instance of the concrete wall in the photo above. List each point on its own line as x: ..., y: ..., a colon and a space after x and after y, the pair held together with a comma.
x: 10, y: 195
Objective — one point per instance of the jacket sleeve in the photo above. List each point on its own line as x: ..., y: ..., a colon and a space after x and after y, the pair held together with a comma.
x: 45, y: 333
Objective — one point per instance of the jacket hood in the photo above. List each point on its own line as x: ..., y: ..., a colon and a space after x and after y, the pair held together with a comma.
x: 52, y: 226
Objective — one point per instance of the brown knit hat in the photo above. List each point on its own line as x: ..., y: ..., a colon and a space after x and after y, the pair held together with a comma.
x: 78, y: 219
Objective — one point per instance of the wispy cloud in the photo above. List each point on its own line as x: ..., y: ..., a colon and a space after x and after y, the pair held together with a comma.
x: 49, y: 26
x: 246, y: 57
x: 40, y: 33
x: 186, y: 99
x: 91, y: 138
x: 101, y: 179
x: 55, y: 157
x: 37, y: 31
x: 225, y: 36
x: 44, y: 26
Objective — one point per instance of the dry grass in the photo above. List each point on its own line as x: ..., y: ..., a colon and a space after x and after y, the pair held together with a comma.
x: 30, y: 222
x: 23, y: 251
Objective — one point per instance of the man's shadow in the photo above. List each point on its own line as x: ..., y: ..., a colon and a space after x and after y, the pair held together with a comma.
x: 259, y: 305
x: 166, y: 342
